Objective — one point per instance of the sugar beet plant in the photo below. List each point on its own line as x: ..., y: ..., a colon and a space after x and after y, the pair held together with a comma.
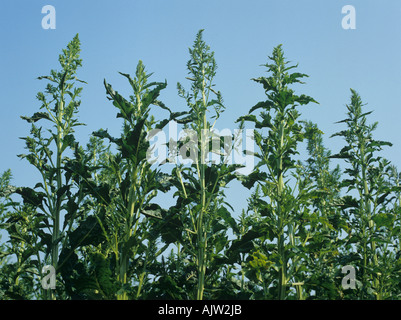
x: 134, y: 183
x: 278, y: 204
x: 46, y: 202
x: 203, y: 213
x: 122, y: 188
x: 371, y: 210
x: 325, y: 222
x: 96, y: 219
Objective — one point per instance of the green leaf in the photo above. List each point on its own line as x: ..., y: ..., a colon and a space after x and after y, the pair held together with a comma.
x: 102, y: 273
x: 249, y: 180
x: 304, y: 99
x: 348, y: 258
x: 228, y: 219
x: 134, y: 145
x: 349, y: 202
x: 267, y: 105
x: 153, y: 210
x: 164, y: 181
x: 150, y: 97
x: 105, y: 135
x: 249, y: 117
x: 170, y: 227
x: 37, y: 116
x: 126, y: 108
x: 384, y: 220
x: 244, y: 244
x: 31, y: 196
x: 89, y: 232
x: 72, y: 211
x: 68, y: 141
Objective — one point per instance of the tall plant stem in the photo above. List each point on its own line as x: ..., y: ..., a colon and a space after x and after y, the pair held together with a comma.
x: 56, y: 213
x: 202, y: 241
x: 57, y: 206
x: 280, y: 214
x: 368, y: 216
x: 124, y: 260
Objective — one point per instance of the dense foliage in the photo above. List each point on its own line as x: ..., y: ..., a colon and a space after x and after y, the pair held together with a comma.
x: 96, y: 218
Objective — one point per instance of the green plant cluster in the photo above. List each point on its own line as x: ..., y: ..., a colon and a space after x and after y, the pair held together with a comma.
x: 95, y: 216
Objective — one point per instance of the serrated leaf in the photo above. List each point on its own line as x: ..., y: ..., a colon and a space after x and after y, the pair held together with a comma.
x: 31, y: 196
x: 37, y: 116
x: 384, y: 220
x: 153, y: 210
x: 89, y: 232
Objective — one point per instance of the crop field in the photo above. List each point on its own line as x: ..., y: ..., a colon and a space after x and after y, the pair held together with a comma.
x: 154, y: 174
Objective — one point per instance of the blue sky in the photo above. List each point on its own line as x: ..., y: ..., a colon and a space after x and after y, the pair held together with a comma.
x: 116, y: 34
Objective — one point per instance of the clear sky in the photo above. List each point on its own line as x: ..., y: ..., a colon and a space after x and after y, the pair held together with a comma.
x: 116, y: 34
